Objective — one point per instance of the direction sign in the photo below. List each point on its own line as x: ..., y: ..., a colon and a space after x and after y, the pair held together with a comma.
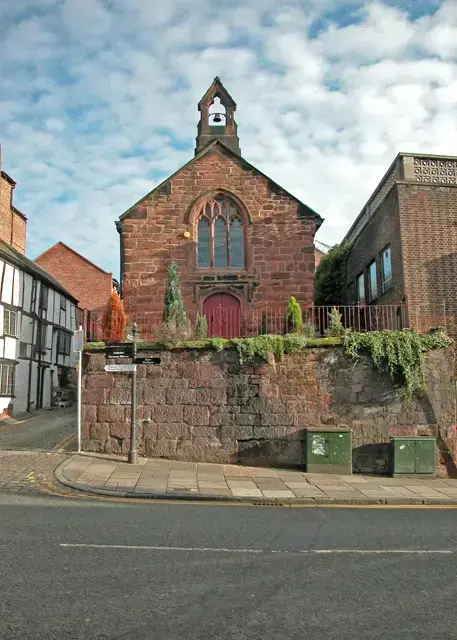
x: 148, y: 360
x: 120, y: 368
x: 119, y: 351
x: 78, y: 339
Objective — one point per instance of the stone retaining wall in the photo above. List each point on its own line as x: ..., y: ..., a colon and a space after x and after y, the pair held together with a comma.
x: 204, y: 406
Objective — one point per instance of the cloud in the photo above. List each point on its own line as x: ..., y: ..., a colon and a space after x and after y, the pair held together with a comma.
x: 96, y: 112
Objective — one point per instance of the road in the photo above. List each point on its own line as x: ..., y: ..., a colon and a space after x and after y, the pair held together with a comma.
x: 174, y: 571
x: 42, y: 431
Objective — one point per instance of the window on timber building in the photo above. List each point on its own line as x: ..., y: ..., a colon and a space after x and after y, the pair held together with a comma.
x: 6, y: 379
x: 220, y: 235
x: 10, y: 323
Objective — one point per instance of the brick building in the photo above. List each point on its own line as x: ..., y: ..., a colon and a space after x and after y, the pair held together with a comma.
x: 13, y: 223
x: 239, y: 239
x: 404, y: 242
x: 83, y: 279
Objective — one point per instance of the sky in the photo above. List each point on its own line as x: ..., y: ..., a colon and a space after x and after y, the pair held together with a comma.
x: 98, y: 101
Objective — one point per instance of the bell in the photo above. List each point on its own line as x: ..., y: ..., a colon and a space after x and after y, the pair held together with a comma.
x: 217, y: 117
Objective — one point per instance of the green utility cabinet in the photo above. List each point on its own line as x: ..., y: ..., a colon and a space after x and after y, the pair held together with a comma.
x: 413, y: 455
x: 329, y: 450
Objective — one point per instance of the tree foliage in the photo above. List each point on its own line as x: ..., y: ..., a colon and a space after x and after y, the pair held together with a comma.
x: 114, y: 320
x: 330, y: 278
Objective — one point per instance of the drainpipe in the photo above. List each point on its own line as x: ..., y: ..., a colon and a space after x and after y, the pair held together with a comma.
x: 29, y: 383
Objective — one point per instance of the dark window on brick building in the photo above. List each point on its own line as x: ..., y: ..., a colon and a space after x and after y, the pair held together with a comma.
x: 372, y: 281
x: 220, y: 241
x: 386, y: 267
x: 361, y: 288
x: 351, y: 293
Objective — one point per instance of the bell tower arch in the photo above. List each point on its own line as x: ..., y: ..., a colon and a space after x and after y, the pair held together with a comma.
x: 217, y: 121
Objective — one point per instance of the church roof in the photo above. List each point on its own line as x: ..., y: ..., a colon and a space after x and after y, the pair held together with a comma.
x: 209, y: 147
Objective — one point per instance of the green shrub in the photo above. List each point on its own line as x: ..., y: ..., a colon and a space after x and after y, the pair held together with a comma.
x: 335, y: 326
x: 174, y: 307
x: 294, y: 319
x: 201, y: 327
x: 308, y: 330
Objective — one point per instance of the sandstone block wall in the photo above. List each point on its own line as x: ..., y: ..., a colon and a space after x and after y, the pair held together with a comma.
x: 204, y: 406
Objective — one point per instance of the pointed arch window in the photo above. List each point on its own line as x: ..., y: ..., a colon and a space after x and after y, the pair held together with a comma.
x: 220, y: 235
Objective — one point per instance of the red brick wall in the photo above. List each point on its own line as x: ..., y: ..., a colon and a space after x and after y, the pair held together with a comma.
x: 205, y: 406
x: 9, y: 217
x: 429, y: 237
x: 280, y: 246
x: 83, y: 280
x: 383, y: 229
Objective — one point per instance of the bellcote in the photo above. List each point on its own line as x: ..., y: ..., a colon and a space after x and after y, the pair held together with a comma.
x: 217, y: 122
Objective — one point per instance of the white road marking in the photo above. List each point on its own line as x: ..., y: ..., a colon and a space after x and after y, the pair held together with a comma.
x: 225, y: 550
x: 153, y: 548
x: 377, y: 551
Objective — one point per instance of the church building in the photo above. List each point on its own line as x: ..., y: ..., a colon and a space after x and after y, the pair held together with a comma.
x: 241, y: 242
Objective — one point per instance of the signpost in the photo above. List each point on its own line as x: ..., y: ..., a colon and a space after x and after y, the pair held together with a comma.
x: 119, y: 351
x: 148, y: 360
x: 120, y: 368
x: 78, y: 343
x: 133, y: 456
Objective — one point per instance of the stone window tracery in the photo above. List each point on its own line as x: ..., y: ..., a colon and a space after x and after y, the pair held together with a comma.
x: 220, y: 235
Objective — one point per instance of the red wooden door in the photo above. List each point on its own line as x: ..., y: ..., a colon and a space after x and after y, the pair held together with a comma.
x: 222, y: 313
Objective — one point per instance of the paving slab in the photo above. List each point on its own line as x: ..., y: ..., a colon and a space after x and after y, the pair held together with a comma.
x: 114, y: 476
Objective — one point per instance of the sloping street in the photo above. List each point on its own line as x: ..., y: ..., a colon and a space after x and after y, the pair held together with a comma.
x: 42, y: 431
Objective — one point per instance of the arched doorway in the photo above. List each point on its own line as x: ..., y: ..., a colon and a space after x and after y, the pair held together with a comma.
x: 222, y: 313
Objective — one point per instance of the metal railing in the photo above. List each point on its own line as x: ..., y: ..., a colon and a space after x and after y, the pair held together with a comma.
x: 250, y: 321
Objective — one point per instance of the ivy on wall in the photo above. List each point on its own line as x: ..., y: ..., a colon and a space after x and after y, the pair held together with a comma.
x: 399, y: 353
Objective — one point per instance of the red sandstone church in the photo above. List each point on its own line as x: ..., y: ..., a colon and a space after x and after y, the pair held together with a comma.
x: 240, y: 240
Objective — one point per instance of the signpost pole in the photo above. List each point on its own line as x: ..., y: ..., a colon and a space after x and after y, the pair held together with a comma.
x: 133, y: 455
x: 80, y: 377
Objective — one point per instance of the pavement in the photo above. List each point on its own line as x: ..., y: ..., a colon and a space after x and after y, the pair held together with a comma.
x: 101, y: 569
x: 168, y: 479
